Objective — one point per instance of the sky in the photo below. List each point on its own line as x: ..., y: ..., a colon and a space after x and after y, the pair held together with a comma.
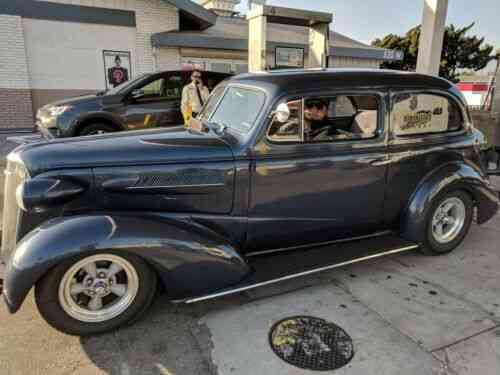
x: 365, y: 20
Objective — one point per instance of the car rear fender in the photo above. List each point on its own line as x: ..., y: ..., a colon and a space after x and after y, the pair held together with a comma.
x: 189, y: 259
x: 451, y: 176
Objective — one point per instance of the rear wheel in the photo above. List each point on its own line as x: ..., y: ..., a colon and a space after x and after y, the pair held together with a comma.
x: 96, y: 128
x: 447, y: 222
x: 94, y: 294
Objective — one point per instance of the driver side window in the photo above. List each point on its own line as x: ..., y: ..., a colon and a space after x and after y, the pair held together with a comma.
x: 326, y: 119
x: 152, y: 91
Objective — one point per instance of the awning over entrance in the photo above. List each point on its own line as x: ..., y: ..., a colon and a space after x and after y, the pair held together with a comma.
x: 232, y: 34
x: 193, y: 16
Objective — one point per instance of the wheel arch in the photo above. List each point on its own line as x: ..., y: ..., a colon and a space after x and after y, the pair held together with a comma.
x: 173, y: 251
x: 450, y: 177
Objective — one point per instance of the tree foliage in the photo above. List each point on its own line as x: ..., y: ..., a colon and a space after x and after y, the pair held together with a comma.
x: 460, y: 51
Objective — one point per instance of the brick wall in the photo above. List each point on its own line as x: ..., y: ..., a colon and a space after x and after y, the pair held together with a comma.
x: 15, y: 95
x: 153, y: 16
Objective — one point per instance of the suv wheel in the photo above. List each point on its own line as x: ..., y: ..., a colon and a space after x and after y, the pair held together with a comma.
x: 95, y: 294
x: 97, y: 128
x: 448, y: 222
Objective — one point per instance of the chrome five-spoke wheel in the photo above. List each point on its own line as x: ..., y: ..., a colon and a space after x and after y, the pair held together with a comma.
x: 96, y: 293
x: 98, y: 288
x: 448, y: 220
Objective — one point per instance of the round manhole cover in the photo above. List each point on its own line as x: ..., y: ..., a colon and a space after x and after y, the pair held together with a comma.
x: 311, y: 343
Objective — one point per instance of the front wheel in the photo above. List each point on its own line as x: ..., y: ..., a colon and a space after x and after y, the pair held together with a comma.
x: 96, y: 293
x: 447, y: 222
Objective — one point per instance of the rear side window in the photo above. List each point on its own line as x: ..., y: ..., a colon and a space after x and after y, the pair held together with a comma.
x: 416, y: 114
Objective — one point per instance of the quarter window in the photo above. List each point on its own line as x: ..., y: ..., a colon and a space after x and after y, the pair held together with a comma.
x: 415, y: 114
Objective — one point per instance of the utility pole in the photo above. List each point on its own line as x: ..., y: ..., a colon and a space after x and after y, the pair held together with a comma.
x: 431, y: 38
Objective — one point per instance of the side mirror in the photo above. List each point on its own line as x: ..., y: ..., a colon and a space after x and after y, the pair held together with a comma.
x: 137, y: 94
x: 282, y: 113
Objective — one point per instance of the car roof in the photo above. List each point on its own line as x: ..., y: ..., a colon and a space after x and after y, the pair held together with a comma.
x: 296, y: 79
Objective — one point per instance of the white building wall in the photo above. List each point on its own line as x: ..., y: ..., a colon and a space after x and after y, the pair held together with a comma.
x: 152, y: 16
x: 69, y: 56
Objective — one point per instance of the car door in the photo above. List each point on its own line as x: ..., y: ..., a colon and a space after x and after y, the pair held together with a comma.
x: 155, y: 104
x: 304, y: 193
x: 427, y: 130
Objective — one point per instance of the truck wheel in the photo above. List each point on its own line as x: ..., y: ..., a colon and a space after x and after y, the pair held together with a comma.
x: 94, y: 294
x: 96, y: 128
x: 448, y: 222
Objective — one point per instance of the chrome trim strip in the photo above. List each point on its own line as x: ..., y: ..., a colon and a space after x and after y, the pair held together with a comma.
x: 293, y: 276
x: 173, y: 186
x: 378, y: 234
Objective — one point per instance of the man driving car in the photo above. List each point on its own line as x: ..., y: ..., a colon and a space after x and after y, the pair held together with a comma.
x: 317, y: 125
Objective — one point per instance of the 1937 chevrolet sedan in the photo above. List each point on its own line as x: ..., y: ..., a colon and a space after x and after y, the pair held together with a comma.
x: 282, y: 175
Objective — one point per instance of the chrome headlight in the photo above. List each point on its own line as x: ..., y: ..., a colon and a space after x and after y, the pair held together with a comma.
x: 20, y: 197
x: 58, y: 110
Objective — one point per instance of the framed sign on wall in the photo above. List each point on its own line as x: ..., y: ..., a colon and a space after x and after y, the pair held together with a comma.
x: 117, y: 67
x: 288, y: 57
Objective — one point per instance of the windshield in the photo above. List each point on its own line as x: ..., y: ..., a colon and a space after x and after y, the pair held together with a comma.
x: 125, y: 85
x: 237, y: 110
x: 212, y: 101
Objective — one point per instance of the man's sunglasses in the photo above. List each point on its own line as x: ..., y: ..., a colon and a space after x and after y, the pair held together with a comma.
x: 196, y: 76
x: 315, y: 104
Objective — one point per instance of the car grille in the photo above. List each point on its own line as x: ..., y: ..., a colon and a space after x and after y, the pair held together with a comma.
x: 15, y: 174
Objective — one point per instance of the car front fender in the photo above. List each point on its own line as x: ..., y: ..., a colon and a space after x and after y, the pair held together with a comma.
x: 188, y: 259
x: 452, y: 176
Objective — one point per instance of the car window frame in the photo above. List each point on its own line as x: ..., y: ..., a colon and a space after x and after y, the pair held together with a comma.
x: 381, y: 120
x: 426, y: 137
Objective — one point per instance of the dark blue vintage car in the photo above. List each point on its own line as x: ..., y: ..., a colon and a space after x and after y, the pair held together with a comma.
x: 281, y: 175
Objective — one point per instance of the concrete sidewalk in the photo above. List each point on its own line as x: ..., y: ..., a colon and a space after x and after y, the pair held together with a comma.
x: 407, y: 314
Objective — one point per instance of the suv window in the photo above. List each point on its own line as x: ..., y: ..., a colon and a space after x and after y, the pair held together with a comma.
x: 416, y: 114
x: 153, y: 88
x: 173, y: 87
x: 328, y: 119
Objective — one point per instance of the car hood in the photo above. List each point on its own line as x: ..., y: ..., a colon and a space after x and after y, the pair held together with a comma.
x: 76, y: 100
x: 119, y: 149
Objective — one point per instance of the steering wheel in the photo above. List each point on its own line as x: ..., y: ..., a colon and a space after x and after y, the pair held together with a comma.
x: 325, y: 133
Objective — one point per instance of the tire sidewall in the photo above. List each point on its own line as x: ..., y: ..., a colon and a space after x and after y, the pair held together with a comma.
x: 430, y: 243
x: 47, y: 298
x: 88, y: 129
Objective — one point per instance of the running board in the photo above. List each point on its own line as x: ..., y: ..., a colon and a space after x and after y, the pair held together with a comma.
x: 274, y: 268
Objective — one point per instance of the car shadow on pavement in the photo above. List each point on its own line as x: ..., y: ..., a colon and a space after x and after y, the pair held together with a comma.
x: 160, y: 343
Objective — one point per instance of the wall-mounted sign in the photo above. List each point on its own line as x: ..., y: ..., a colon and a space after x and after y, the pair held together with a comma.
x: 117, y: 67
x: 287, y: 57
x: 192, y: 65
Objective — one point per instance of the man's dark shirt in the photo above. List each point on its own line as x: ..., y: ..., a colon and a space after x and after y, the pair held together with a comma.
x: 117, y: 75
